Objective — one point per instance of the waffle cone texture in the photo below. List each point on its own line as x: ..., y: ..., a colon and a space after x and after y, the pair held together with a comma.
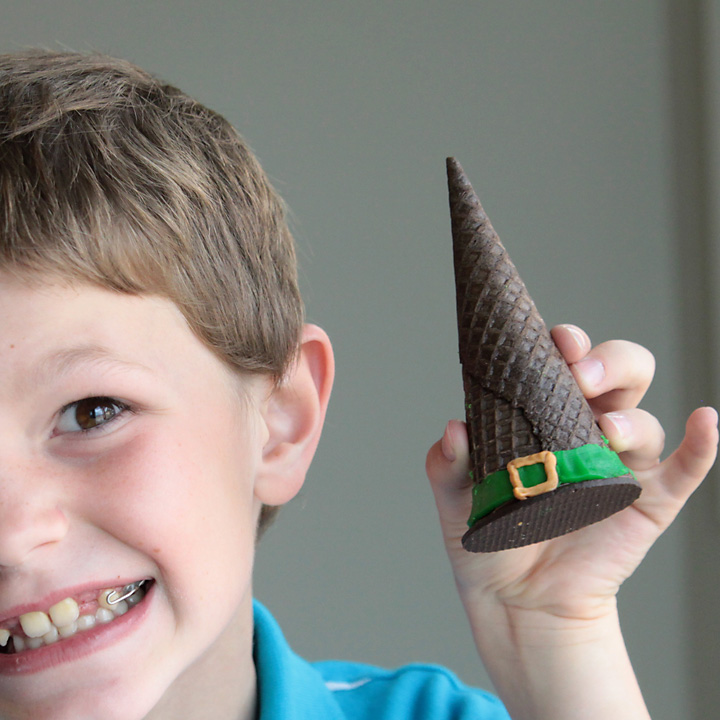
x: 520, y: 395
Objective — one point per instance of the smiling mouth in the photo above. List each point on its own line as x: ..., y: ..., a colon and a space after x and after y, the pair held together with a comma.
x: 67, y: 618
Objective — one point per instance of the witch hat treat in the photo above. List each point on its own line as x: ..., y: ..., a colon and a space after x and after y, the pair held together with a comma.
x: 540, y: 465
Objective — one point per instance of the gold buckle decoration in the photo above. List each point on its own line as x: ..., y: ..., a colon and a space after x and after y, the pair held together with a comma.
x: 545, y: 457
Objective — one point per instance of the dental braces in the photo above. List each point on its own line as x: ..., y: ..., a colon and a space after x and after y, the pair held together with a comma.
x: 113, y: 598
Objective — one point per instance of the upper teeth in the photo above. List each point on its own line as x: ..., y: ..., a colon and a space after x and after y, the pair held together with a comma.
x: 36, y: 624
x: 64, y: 613
x: 64, y: 618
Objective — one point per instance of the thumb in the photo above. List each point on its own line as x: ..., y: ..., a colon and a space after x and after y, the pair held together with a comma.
x: 447, y: 467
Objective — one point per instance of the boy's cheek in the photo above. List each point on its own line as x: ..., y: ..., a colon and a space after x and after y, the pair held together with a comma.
x: 172, y: 498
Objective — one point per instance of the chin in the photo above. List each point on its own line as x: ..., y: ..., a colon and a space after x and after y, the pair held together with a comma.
x: 84, y: 705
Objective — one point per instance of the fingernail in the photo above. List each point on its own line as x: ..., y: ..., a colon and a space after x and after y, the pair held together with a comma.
x: 446, y: 446
x: 622, y: 429
x: 591, y: 371
x: 577, y: 334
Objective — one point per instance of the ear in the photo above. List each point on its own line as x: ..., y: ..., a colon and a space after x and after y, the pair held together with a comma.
x: 294, y: 414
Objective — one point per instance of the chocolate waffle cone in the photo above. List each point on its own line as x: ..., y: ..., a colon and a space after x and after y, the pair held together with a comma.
x: 521, y: 400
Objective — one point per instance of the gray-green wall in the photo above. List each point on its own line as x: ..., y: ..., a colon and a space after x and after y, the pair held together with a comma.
x: 587, y: 130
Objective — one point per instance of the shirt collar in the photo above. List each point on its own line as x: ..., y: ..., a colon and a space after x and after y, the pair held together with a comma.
x: 289, y: 688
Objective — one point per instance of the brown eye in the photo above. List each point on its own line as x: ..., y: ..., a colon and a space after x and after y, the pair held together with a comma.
x: 88, y: 414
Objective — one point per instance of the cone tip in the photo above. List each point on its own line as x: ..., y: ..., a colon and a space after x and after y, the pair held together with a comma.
x: 461, y: 191
x: 458, y: 181
x: 454, y: 168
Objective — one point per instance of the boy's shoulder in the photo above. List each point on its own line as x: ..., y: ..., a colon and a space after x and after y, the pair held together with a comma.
x: 291, y: 688
x: 416, y: 691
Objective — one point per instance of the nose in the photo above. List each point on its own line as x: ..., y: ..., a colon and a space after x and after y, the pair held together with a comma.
x: 28, y: 521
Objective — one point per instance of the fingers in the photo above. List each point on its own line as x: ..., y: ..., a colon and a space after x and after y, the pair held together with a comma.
x: 685, y: 469
x: 635, y: 435
x: 613, y: 375
x: 447, y: 467
x: 448, y: 459
x: 667, y: 487
x: 572, y: 341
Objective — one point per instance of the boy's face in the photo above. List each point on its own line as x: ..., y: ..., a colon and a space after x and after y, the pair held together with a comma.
x: 152, y: 479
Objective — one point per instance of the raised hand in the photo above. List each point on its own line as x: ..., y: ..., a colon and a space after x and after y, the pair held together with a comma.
x: 585, y: 567
x: 563, y: 590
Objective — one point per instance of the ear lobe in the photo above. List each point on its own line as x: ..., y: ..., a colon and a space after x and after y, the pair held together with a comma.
x: 294, y: 415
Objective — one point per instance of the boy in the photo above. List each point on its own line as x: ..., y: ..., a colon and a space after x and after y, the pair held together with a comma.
x: 160, y: 396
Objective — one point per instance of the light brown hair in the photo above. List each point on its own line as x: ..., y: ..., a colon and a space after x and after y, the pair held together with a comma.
x: 112, y: 177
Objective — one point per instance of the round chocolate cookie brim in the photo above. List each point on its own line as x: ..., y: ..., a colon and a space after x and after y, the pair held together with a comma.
x: 565, y: 509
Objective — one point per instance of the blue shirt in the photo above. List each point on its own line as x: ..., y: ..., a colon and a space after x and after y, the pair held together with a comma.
x: 289, y: 688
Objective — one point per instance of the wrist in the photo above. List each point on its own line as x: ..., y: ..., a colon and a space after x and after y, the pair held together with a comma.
x: 549, y: 666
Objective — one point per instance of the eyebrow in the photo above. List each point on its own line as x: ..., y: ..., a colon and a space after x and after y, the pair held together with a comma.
x: 60, y: 362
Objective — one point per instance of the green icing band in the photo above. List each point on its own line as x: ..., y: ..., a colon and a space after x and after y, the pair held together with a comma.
x: 587, y: 462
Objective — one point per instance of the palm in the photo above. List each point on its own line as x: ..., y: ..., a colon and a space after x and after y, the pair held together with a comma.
x: 573, y: 575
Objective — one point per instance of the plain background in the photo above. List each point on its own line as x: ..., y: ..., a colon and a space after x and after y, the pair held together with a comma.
x: 587, y: 130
